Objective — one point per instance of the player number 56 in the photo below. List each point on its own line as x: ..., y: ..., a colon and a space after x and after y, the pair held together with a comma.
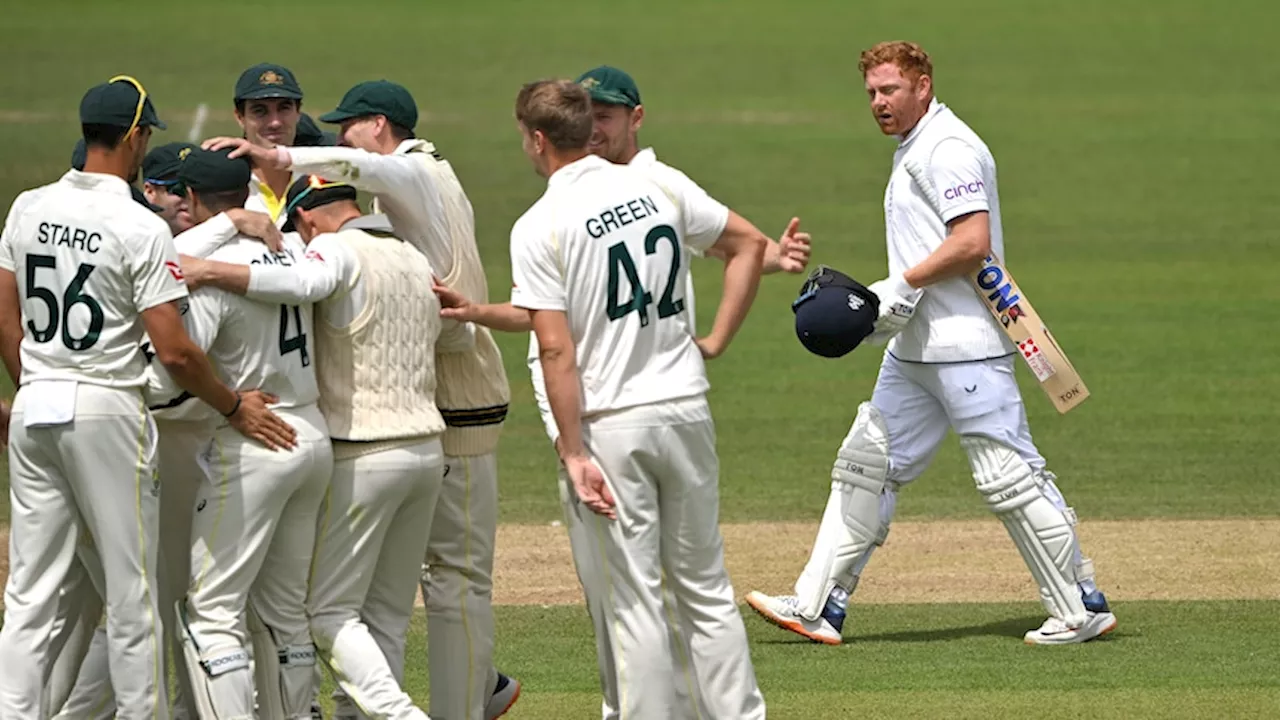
x: 60, y: 312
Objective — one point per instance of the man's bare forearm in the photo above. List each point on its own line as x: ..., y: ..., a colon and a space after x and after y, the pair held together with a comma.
x: 960, y: 254
x: 741, y: 281
x: 564, y: 393
x: 504, y: 317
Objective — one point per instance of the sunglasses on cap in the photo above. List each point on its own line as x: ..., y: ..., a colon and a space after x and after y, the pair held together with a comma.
x: 142, y: 99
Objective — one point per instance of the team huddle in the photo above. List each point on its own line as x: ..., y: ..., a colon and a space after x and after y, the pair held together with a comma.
x: 254, y: 421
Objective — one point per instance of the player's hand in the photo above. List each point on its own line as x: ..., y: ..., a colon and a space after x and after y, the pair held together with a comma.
x: 259, y: 156
x: 897, y: 306
x: 589, y: 485
x: 255, y: 420
x: 453, y: 304
x: 794, y: 248
x: 195, y: 271
x: 257, y: 225
x: 710, y: 347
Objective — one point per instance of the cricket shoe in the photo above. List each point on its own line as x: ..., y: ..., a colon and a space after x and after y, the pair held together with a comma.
x: 1098, y: 622
x: 505, y: 694
x: 784, y: 611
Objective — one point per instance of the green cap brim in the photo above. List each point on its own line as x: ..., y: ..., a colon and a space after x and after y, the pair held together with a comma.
x: 334, y: 117
x: 609, y: 97
x: 266, y: 93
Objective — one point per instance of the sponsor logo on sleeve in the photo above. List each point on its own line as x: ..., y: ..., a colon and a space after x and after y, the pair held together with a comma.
x: 963, y: 190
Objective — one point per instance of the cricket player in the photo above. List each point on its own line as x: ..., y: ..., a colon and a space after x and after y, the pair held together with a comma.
x: 378, y: 395
x: 617, y: 118
x: 417, y: 189
x: 79, y: 683
x: 597, y: 262
x: 253, y: 529
x: 95, y: 269
x: 948, y: 365
x: 268, y: 104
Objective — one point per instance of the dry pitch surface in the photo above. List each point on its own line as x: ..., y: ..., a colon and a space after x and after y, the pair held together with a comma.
x: 940, y: 561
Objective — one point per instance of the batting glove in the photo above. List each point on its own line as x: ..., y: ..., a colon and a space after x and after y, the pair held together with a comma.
x: 897, y: 306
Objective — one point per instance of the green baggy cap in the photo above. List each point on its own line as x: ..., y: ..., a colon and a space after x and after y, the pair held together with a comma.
x: 208, y: 171
x: 610, y: 86
x: 267, y: 80
x: 376, y: 97
x: 119, y: 102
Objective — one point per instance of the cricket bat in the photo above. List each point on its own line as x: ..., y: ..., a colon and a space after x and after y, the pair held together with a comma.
x: 1022, y: 324
x: 1020, y: 321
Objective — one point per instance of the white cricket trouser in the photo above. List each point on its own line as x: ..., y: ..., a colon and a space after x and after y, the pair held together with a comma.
x: 457, y: 584
x: 587, y: 561
x: 96, y: 475
x: 372, y: 537
x: 180, y: 450
x: 253, y: 532
x: 660, y: 462
x: 921, y: 402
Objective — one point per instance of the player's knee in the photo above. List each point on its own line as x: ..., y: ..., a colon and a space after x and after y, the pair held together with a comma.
x: 863, y: 459
x: 1005, y: 480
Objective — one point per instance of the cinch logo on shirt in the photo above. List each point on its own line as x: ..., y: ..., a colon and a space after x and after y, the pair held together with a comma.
x: 959, y: 191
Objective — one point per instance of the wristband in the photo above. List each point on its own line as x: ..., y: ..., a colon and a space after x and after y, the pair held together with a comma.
x: 234, y: 408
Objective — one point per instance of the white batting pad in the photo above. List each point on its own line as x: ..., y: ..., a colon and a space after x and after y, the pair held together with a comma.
x: 1042, y: 532
x: 851, y: 522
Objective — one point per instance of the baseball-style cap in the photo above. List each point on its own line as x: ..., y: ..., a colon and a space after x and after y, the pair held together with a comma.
x: 212, y: 171
x: 162, y: 163
x: 834, y: 313
x: 267, y: 80
x: 120, y: 102
x: 610, y: 86
x: 376, y: 97
x: 309, y: 134
x: 80, y: 153
x: 312, y: 191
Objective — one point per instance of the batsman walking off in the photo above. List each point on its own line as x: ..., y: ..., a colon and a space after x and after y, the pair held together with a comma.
x: 597, y: 262
x: 948, y: 365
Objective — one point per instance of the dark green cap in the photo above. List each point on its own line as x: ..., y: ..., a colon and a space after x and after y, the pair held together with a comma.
x: 120, y: 102
x: 310, y: 192
x: 610, y: 86
x: 161, y: 163
x: 208, y: 171
x: 78, y: 156
x: 309, y: 134
x: 376, y: 97
x: 267, y: 80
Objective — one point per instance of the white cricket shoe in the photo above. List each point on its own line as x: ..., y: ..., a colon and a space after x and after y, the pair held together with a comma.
x: 1099, y: 621
x: 784, y: 611
x: 505, y: 694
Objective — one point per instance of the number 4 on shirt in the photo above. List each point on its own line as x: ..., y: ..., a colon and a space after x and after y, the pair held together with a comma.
x: 640, y: 299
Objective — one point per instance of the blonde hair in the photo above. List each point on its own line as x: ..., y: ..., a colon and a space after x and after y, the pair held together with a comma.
x: 559, y: 109
x: 908, y: 56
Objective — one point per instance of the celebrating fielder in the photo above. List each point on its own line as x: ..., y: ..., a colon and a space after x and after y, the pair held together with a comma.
x: 626, y: 385
x: 948, y: 365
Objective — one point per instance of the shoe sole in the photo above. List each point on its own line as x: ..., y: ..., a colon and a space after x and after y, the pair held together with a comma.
x: 792, y: 625
x: 514, y: 697
x: 1107, y: 629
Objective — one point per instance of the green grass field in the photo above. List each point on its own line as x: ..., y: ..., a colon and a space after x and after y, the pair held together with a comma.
x: 1133, y: 142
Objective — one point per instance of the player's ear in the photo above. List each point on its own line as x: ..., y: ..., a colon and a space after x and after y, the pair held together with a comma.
x: 637, y: 118
x: 924, y: 86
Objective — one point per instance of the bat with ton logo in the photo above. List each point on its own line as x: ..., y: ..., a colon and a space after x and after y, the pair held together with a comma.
x: 1020, y: 321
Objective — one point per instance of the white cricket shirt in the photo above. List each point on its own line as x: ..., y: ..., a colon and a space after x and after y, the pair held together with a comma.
x: 950, y: 324
x: 646, y: 160
x: 256, y: 345
x: 606, y: 245
x: 88, y: 260
x: 406, y: 188
x: 264, y: 200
